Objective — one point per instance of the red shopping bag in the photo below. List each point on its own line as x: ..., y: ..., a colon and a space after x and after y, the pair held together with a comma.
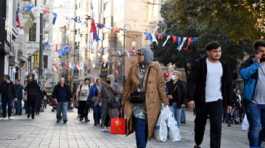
x: 118, y: 126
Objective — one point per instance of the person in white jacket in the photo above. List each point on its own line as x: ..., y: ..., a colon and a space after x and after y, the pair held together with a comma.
x: 82, y: 94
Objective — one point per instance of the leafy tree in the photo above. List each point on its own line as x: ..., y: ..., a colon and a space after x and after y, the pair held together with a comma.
x: 231, y: 22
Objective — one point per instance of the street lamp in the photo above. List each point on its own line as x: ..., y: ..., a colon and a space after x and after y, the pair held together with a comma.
x: 41, y: 48
x: 125, y: 28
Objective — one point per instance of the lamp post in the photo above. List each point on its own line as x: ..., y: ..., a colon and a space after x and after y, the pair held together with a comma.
x: 41, y: 48
x: 124, y: 52
x: 2, y: 37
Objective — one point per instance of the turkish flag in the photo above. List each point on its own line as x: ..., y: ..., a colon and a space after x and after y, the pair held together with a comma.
x: 93, y: 27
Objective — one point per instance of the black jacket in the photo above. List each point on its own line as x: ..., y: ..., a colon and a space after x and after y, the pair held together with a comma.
x: 197, y: 83
x: 19, y: 91
x: 56, y: 93
x: 7, y: 90
x: 33, y: 89
x: 178, y: 91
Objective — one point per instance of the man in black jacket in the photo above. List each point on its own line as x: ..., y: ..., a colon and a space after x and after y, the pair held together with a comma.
x: 19, y: 96
x: 33, y: 92
x: 210, y: 89
x: 62, y: 94
x: 8, y: 95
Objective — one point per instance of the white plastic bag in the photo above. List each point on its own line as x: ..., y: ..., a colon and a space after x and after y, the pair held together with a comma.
x: 245, y: 124
x: 161, y: 131
x: 173, y: 128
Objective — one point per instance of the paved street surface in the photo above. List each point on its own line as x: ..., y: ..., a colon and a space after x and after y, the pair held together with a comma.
x: 45, y: 133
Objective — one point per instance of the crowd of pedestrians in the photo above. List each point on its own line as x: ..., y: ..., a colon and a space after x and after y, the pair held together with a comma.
x: 18, y: 99
x: 208, y: 91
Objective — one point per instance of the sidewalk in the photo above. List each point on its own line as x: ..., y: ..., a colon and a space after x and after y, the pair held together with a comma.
x: 45, y: 133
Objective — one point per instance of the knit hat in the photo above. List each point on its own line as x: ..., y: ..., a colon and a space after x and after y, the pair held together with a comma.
x: 148, y: 55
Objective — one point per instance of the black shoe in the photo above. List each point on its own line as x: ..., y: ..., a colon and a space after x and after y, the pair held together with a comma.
x: 64, y: 121
x: 87, y: 120
x: 28, y: 116
x: 195, y: 146
x: 80, y: 119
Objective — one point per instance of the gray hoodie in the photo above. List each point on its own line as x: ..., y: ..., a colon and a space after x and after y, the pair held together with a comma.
x: 148, y: 55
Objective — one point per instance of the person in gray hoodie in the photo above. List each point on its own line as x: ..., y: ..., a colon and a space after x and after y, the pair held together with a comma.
x: 144, y: 92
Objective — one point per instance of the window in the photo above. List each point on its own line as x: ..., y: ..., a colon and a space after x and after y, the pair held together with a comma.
x: 105, y: 5
x: 104, y: 21
x: 32, y: 33
x: 112, y: 21
x: 45, y: 59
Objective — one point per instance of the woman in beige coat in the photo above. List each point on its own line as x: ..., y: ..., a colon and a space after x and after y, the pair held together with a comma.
x: 144, y: 80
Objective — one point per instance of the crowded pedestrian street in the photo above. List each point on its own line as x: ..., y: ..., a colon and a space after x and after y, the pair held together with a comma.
x: 132, y: 73
x: 44, y: 132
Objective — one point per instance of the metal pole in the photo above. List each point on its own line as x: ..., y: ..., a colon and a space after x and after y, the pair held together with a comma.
x: 123, y: 54
x: 2, y: 37
x: 41, y: 48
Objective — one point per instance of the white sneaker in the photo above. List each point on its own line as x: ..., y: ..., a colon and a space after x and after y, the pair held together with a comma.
x: 5, y: 118
x: 11, y: 118
x: 104, y: 129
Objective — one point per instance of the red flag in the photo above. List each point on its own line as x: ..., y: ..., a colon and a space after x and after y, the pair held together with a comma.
x: 78, y: 67
x: 159, y: 36
x: 18, y: 24
x: 189, y: 41
x: 93, y: 27
x: 174, y: 39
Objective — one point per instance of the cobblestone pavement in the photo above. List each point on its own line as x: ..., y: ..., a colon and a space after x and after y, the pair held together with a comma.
x: 43, y: 132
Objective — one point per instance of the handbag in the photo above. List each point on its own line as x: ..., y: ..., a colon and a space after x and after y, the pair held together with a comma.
x: 118, y: 126
x: 137, y: 96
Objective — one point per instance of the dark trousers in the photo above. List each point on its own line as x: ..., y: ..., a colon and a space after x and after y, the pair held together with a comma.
x: 105, y: 118
x: 140, y: 132
x: 19, y: 107
x: 7, y: 103
x: 97, y: 114
x: 31, y: 105
x: 83, y: 107
x: 213, y: 110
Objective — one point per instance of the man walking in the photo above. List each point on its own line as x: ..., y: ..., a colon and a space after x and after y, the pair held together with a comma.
x: 210, y: 89
x: 82, y: 94
x: 8, y: 95
x: 19, y: 96
x: 62, y: 95
x: 253, y: 73
x: 33, y: 92
x: 97, y: 104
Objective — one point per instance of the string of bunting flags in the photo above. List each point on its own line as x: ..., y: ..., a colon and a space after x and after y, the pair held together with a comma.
x: 68, y: 66
x: 180, y: 41
x: 30, y: 8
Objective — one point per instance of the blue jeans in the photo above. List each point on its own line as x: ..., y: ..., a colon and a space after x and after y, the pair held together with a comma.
x: 140, y: 132
x: 19, y: 107
x: 183, y: 116
x: 256, y: 117
x: 62, y: 108
x: 97, y: 114
x: 177, y: 111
